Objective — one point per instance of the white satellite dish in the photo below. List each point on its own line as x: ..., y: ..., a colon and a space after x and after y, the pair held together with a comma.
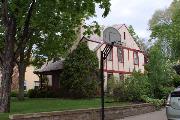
x: 112, y: 36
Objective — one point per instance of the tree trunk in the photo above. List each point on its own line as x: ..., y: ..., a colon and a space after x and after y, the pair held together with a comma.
x: 7, y: 65
x: 7, y: 71
x: 22, y: 64
x: 22, y: 70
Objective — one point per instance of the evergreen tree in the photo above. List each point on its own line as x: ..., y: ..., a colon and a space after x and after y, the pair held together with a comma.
x: 79, y: 78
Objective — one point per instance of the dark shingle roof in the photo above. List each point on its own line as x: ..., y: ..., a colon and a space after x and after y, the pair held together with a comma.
x: 51, y: 66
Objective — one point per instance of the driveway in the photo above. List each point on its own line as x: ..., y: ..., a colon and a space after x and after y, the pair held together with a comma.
x: 158, y: 115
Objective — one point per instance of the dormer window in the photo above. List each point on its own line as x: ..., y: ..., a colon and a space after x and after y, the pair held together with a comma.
x: 124, y: 35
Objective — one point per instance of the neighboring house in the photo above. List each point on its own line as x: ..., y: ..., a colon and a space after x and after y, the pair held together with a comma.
x: 29, y: 82
x: 122, y: 60
x: 30, y: 78
x: 49, y: 74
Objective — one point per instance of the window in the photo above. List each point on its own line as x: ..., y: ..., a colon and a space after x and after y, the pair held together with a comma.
x: 25, y: 85
x: 121, y: 76
x: 120, y: 55
x: 124, y: 36
x: 136, y: 58
x: 175, y: 94
x: 36, y: 86
x: 110, y: 56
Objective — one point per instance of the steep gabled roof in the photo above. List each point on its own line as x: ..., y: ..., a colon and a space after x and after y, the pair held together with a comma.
x: 118, y: 26
x: 95, y: 38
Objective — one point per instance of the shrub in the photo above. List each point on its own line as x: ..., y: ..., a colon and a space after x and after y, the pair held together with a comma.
x: 79, y: 78
x: 157, y: 102
x: 176, y: 81
x: 165, y: 91
x: 133, y: 88
x: 14, y: 93
x: 47, y: 92
x: 112, y: 83
x: 120, y: 92
x: 32, y: 93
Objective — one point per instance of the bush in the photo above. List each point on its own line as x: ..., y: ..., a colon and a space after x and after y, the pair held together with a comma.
x: 47, y: 92
x: 14, y: 94
x: 157, y: 102
x: 112, y: 83
x: 176, y: 81
x: 120, y: 93
x: 165, y: 91
x: 80, y: 77
x: 133, y: 88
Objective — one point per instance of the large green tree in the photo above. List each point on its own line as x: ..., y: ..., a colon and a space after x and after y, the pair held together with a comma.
x: 80, y: 76
x: 165, y: 25
x: 55, y: 21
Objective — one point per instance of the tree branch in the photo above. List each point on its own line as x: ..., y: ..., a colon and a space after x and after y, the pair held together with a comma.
x: 4, y: 12
x: 1, y: 58
x: 28, y: 54
x: 25, y: 32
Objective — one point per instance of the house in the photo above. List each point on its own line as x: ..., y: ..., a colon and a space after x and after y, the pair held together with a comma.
x: 49, y: 74
x: 30, y: 78
x: 123, y: 59
x: 120, y: 63
x: 29, y: 82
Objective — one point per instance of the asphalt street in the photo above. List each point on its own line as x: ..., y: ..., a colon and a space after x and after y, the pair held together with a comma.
x: 158, y: 115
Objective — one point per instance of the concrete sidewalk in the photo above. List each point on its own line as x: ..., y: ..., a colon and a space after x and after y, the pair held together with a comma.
x: 158, y: 115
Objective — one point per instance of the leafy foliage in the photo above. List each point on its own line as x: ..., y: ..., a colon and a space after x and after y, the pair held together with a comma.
x: 157, y: 102
x: 160, y: 73
x: 112, y: 83
x: 79, y: 78
x: 47, y: 92
x: 132, y: 88
x: 165, y: 27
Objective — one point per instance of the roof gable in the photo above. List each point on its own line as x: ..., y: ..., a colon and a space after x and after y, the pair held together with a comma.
x: 122, y: 28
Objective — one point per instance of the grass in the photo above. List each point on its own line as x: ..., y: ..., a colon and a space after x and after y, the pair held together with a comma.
x: 46, y: 105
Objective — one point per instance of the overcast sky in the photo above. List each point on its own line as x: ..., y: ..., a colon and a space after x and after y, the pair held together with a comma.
x: 132, y: 12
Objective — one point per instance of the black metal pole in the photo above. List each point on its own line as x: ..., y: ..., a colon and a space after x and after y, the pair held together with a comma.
x: 102, y: 85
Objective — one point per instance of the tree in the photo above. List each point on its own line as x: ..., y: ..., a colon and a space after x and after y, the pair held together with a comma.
x: 165, y: 27
x: 155, y: 69
x: 54, y: 20
x: 79, y: 78
x: 160, y: 71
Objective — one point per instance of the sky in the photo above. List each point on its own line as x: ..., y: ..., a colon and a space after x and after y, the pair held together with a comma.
x: 132, y: 12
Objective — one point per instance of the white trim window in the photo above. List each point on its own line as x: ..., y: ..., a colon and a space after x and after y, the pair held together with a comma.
x: 136, y: 58
x: 120, y: 55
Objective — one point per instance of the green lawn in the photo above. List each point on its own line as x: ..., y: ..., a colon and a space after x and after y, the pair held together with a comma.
x: 45, y: 105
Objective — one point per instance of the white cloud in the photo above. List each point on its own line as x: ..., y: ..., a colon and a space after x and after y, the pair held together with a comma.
x: 132, y: 12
